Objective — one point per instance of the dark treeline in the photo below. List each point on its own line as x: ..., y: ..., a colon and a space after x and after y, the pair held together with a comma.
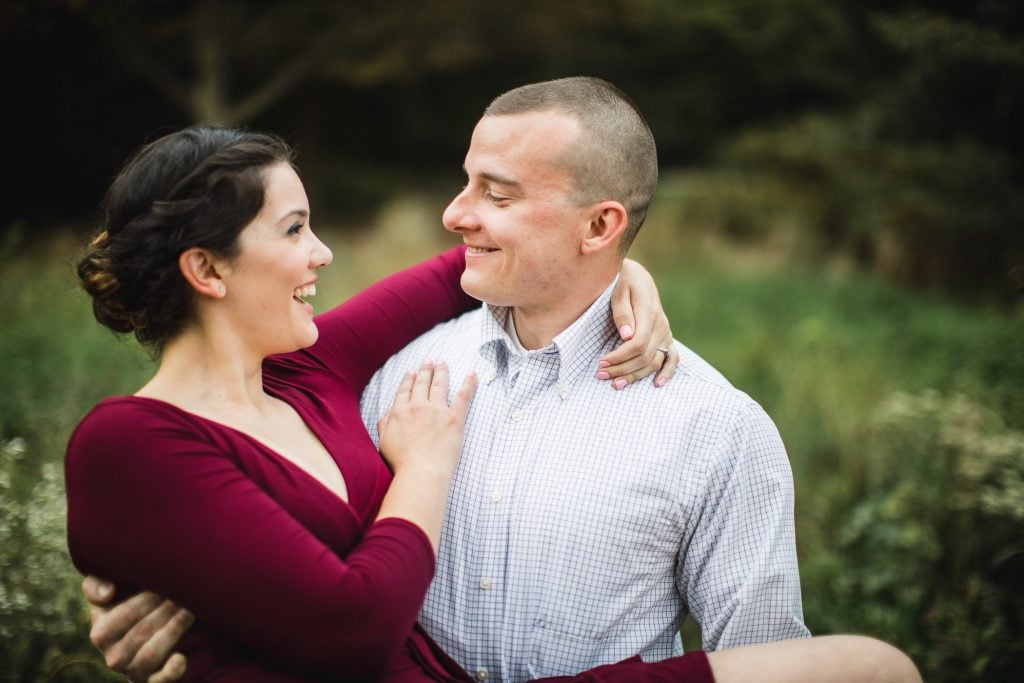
x: 889, y: 131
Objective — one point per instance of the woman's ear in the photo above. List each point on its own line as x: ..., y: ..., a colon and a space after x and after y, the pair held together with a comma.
x: 199, y: 267
x: 608, y: 222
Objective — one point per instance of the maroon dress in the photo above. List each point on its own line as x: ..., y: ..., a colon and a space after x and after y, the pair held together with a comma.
x: 287, y: 581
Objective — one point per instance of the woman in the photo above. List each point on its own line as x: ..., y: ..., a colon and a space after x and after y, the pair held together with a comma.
x: 239, y: 481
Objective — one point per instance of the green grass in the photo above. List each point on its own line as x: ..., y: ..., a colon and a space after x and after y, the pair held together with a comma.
x: 883, y: 501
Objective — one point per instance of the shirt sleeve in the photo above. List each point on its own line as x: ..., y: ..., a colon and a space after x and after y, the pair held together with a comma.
x: 153, y: 502
x: 358, y: 336
x: 739, y: 572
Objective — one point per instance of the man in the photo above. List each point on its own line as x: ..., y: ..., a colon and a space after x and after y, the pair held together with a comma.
x: 583, y: 525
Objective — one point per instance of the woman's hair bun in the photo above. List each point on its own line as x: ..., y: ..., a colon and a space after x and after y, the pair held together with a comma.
x: 98, y: 279
x: 197, y: 187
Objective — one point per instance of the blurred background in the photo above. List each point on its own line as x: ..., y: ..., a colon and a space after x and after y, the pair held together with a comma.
x: 839, y: 228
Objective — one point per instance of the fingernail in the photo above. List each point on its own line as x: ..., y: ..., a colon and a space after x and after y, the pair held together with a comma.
x: 660, y: 382
x: 603, y: 375
x: 626, y: 331
x: 603, y: 364
x: 619, y: 383
x: 104, y: 589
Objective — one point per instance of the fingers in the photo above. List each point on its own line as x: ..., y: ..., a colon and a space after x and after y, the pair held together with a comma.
x: 156, y: 654
x: 628, y: 356
x: 405, y: 388
x: 668, y: 368
x: 97, y: 591
x: 123, y: 631
x: 109, y: 625
x: 439, y: 384
x: 421, y: 387
x: 622, y: 313
x: 635, y: 360
x: 649, y: 348
x: 429, y: 383
x: 463, y: 397
x: 173, y: 670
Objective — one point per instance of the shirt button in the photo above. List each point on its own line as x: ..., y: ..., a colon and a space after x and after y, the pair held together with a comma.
x: 516, y: 416
x: 563, y: 389
x: 496, y: 496
x: 481, y: 674
x: 485, y: 583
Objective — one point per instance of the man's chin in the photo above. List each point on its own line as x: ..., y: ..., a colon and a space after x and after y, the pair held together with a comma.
x: 472, y: 286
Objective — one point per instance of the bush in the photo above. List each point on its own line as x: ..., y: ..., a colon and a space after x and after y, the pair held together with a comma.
x: 42, y: 623
x: 55, y: 363
x: 930, y: 556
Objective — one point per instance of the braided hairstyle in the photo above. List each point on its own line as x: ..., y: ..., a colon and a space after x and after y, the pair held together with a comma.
x: 197, y: 187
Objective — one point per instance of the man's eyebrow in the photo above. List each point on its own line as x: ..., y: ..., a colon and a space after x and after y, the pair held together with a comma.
x: 499, y: 179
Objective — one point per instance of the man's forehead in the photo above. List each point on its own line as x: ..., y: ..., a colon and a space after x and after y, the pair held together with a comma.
x: 507, y: 145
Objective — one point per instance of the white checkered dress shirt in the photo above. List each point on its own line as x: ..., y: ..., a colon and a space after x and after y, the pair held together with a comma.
x: 584, y: 523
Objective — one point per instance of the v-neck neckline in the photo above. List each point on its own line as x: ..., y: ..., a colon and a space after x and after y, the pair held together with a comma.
x: 269, y: 449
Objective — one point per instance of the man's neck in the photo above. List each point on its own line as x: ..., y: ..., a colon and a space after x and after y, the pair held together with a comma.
x: 537, y: 327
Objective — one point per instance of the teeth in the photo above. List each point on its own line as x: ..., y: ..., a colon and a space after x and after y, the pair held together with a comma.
x: 304, y: 291
x: 478, y: 250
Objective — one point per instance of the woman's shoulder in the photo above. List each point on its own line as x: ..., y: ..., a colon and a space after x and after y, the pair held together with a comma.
x: 128, y: 412
x: 120, y: 423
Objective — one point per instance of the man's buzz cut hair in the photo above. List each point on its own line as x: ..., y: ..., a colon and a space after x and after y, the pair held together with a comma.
x: 613, y: 158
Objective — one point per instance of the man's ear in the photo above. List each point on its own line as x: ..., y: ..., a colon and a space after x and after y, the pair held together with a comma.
x: 608, y: 222
x: 199, y: 267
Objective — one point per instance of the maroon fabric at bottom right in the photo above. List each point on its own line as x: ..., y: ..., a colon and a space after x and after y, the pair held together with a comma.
x: 693, y: 667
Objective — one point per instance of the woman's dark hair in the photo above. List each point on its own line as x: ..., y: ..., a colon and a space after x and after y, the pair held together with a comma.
x: 197, y: 187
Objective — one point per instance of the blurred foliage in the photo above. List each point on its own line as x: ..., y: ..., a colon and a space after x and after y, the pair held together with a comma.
x: 43, y: 627
x: 931, y: 551
x: 882, y: 133
x: 907, y: 457
x: 54, y: 363
x: 921, y: 180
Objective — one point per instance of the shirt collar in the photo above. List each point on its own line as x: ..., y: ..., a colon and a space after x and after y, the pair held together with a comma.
x: 576, y: 346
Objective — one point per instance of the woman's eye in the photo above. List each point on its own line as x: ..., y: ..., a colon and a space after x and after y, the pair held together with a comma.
x: 295, y: 228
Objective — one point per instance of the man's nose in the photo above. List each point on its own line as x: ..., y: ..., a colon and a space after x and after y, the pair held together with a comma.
x: 459, y: 216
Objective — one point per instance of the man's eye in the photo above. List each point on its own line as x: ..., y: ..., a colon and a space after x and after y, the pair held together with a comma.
x: 496, y: 198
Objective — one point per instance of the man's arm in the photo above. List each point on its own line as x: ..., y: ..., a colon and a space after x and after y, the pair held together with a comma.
x: 137, y: 636
x: 739, y: 571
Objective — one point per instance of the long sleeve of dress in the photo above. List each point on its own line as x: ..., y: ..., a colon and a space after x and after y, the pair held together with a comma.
x: 358, y: 336
x: 155, y: 502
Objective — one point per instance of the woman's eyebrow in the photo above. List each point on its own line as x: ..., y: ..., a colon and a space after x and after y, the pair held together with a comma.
x: 301, y: 213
